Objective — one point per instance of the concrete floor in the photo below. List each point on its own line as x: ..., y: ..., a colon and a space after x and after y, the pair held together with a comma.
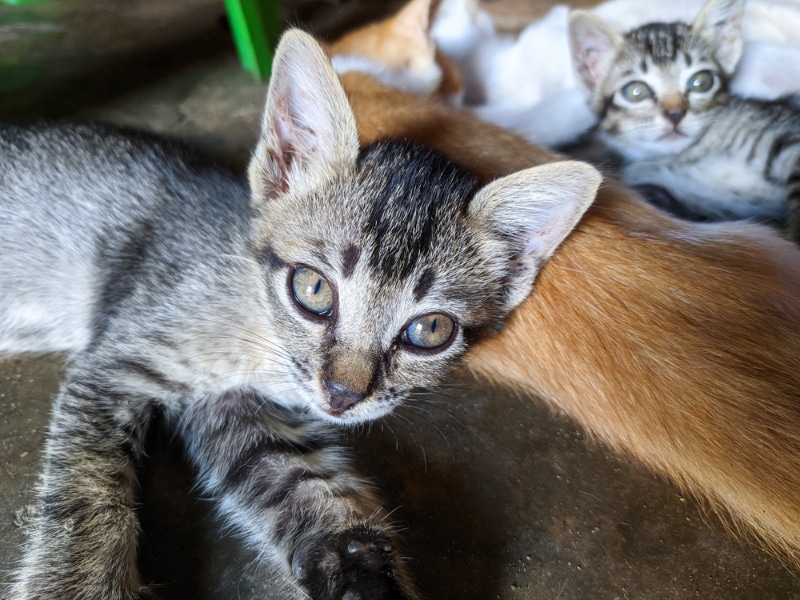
x: 500, y: 498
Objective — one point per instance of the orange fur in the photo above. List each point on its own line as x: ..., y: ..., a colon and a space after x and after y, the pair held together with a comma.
x: 401, y: 41
x: 675, y: 343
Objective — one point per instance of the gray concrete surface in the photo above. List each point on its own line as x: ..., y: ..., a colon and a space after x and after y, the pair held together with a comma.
x: 500, y: 498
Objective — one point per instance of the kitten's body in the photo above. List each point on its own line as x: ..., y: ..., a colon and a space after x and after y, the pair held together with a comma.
x: 662, y: 95
x: 253, y: 320
x: 145, y: 269
x: 745, y: 165
x: 677, y: 344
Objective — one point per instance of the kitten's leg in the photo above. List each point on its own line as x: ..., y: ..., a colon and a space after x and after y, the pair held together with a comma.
x: 82, y: 539
x: 286, y: 483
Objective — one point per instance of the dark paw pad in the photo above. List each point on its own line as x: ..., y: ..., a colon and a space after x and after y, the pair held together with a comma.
x: 352, y: 565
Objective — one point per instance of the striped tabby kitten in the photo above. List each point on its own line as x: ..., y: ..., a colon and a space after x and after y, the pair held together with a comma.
x: 661, y: 93
x: 255, y: 326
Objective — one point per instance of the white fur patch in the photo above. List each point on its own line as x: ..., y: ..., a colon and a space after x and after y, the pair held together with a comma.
x: 423, y: 83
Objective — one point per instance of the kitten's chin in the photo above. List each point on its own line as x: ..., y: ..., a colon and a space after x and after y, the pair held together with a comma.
x: 677, y: 137
x: 363, y: 412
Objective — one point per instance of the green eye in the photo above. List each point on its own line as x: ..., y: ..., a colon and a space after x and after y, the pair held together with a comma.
x: 311, y: 292
x: 702, y: 81
x: 636, y: 91
x: 429, y: 332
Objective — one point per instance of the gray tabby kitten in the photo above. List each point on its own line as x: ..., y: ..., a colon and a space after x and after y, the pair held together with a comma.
x: 662, y: 96
x: 254, y: 325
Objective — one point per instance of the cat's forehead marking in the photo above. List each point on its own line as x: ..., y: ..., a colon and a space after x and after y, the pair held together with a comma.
x: 660, y: 41
x: 424, y: 284
x: 416, y: 201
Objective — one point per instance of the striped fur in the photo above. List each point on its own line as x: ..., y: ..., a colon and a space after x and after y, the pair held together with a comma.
x: 705, y: 153
x: 174, y: 288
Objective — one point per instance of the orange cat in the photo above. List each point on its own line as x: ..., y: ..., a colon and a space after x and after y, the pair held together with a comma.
x: 400, y: 53
x: 675, y: 343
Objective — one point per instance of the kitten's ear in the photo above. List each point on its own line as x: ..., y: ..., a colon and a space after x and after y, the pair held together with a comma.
x: 308, y: 129
x: 413, y: 24
x: 593, y: 45
x: 530, y: 213
x: 720, y: 22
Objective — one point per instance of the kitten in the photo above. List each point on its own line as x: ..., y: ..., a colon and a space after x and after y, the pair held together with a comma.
x: 254, y: 326
x: 675, y: 343
x: 663, y: 99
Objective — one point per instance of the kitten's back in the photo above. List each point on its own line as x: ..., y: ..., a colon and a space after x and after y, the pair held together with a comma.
x: 66, y: 197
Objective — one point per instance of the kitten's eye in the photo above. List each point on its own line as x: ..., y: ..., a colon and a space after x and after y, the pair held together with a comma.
x: 311, y: 292
x: 636, y: 91
x: 429, y: 332
x: 701, y: 81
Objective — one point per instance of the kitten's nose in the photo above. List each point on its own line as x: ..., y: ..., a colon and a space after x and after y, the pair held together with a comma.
x: 341, y: 397
x: 675, y: 115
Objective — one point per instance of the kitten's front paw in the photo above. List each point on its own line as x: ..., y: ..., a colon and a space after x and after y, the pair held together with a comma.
x: 357, y: 564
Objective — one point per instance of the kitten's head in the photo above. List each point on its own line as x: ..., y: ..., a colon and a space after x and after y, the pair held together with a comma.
x: 655, y: 88
x: 379, y: 266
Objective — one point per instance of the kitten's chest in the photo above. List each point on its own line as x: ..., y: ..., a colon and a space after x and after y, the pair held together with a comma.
x: 755, y: 163
x: 737, y: 178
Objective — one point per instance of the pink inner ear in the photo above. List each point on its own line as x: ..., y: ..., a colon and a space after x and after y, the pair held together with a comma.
x: 721, y: 25
x: 589, y: 68
x: 543, y: 242
x: 287, y: 151
x: 592, y: 50
x: 591, y: 65
x: 729, y: 44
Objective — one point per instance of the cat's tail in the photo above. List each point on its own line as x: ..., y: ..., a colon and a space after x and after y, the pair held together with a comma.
x: 678, y: 345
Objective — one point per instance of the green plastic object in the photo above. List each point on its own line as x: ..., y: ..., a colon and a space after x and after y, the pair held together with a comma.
x: 256, y: 26
x: 15, y: 2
